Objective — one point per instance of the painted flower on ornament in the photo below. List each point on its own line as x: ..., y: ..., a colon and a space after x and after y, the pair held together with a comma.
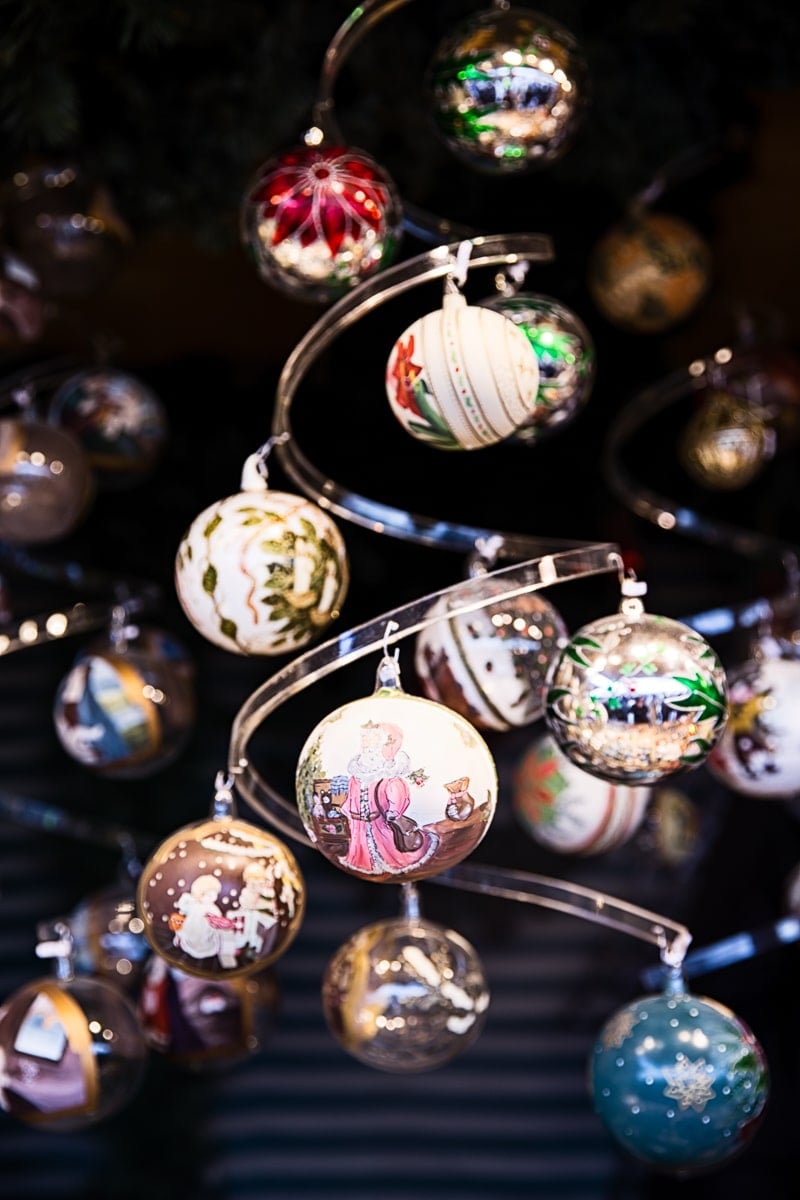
x: 406, y: 375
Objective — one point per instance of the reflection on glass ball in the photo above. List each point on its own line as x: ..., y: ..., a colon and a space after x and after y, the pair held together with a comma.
x: 46, y: 484
x: 221, y: 898
x: 507, y: 88
x: 405, y: 995
x: 22, y: 305
x: 108, y: 936
x: 127, y: 709
x: 649, y: 272
x: 679, y: 1081
x: 317, y: 220
x: 204, y: 1023
x: 634, y: 698
x: 727, y: 443
x: 565, y: 352
x: 71, y: 1053
x: 490, y: 664
x: 570, y: 811
x: 119, y: 421
x: 393, y: 788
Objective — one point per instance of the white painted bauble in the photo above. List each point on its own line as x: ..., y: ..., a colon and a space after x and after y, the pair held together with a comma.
x: 490, y: 664
x: 393, y: 788
x: 462, y: 377
x: 261, y: 572
x: 570, y: 811
x: 759, y: 752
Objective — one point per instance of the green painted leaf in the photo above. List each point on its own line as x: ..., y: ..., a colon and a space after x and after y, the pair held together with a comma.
x: 228, y: 628
x: 212, y: 525
x: 210, y: 579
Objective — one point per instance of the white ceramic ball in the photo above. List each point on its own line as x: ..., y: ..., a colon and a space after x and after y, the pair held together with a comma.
x: 261, y: 572
x: 462, y: 377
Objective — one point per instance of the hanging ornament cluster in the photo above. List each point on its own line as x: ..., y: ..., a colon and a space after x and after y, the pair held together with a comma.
x: 127, y: 706
x: 507, y: 88
x: 633, y: 697
x: 261, y: 571
x: 679, y: 1081
x: 565, y: 355
x: 490, y: 664
x: 46, y: 483
x: 393, y: 787
x: 461, y: 377
x: 649, y: 272
x: 569, y: 811
x: 23, y: 310
x: 318, y: 219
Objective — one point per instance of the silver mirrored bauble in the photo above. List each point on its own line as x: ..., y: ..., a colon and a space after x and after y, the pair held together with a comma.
x: 46, y: 484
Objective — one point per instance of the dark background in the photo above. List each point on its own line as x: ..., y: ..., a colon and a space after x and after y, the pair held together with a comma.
x: 173, y: 108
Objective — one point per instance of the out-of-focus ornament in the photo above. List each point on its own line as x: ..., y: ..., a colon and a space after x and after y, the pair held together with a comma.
x: 679, y: 1081
x: 127, y: 706
x: 221, y: 898
x: 405, y: 995
x: 108, y: 939
x: 567, y: 810
x: 46, y: 483
x: 634, y: 698
x: 261, y: 572
x: 317, y: 220
x: 394, y: 788
x: 72, y: 1051
x: 507, y: 88
x: 200, y: 1023
x: 649, y: 272
x: 673, y: 826
x: 120, y: 422
x: 462, y: 377
x: 758, y: 753
x: 726, y: 443
x: 565, y: 353
x: 23, y: 310
x: 66, y: 225
x: 490, y: 664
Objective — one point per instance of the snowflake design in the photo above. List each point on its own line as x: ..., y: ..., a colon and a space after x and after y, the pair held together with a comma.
x: 619, y: 1028
x: 688, y: 1083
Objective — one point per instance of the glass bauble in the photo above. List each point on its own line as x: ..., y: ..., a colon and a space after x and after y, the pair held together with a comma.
x: 108, y: 939
x: 405, y: 995
x: 221, y: 898
x: 507, y: 89
x: 726, y: 443
x: 205, y: 1023
x: 126, y: 709
x: 261, y: 572
x: 758, y: 753
x: 46, y: 484
x: 71, y: 1053
x: 634, y: 698
x: 120, y: 422
x: 393, y: 787
x: 679, y: 1081
x: 649, y: 272
x: 317, y: 220
x: 462, y: 377
x: 570, y: 811
x: 22, y: 306
x: 490, y: 664
x: 565, y: 353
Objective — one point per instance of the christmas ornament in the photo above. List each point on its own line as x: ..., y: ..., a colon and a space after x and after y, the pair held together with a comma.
x: 66, y: 226
x: 727, y: 443
x: 72, y: 1052
x: 758, y: 753
x: 119, y: 421
x: 127, y: 706
x: 490, y: 664
x: 679, y: 1081
x: 108, y: 939
x: 261, y: 572
x: 461, y: 377
x: 634, y: 698
x: 317, y: 220
x: 221, y: 898
x: 200, y: 1023
x: 405, y: 995
x: 22, y: 305
x: 649, y: 272
x: 393, y: 787
x: 507, y: 88
x: 564, y: 352
x: 567, y: 810
x: 46, y: 484
x: 673, y: 829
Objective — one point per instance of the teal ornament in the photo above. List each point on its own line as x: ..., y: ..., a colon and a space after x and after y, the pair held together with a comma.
x: 679, y: 1081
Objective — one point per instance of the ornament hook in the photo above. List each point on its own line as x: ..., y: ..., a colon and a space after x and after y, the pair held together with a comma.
x: 457, y: 275
x: 224, y: 801
x: 388, y: 674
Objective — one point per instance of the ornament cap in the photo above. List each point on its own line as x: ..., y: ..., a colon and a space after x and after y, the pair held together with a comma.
x: 254, y: 477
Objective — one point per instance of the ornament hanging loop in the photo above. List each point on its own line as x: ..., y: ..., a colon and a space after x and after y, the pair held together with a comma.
x: 485, y: 555
x: 388, y: 673
x: 55, y: 941
x: 632, y: 589
x: 456, y: 277
x: 672, y: 955
x: 224, y: 801
x: 509, y: 281
x: 263, y: 452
